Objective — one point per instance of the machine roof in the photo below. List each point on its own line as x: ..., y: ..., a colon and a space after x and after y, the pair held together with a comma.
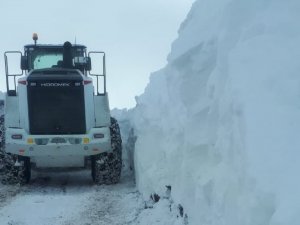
x: 51, y: 46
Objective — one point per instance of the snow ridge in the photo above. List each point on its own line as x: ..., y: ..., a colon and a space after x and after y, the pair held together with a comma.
x: 219, y: 123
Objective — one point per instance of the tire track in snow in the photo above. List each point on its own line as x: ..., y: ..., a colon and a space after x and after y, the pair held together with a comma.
x: 72, y: 198
x: 7, y: 193
x: 117, y: 204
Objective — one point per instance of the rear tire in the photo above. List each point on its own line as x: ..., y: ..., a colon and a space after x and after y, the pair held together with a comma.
x: 25, y: 170
x: 10, y: 173
x: 106, y: 167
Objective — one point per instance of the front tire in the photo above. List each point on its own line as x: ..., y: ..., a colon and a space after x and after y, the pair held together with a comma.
x: 106, y: 167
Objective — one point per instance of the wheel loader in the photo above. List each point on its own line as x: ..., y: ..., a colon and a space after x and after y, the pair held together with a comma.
x: 56, y: 112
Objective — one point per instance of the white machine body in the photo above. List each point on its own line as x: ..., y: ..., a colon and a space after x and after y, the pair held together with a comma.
x: 56, y: 119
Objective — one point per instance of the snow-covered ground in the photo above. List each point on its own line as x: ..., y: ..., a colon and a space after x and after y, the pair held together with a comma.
x: 220, y: 123
x: 70, y: 197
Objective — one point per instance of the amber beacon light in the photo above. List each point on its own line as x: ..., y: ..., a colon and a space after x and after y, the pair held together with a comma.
x: 35, y: 37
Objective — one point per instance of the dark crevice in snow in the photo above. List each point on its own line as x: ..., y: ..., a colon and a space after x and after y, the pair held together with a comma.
x: 155, y: 197
x: 178, y: 209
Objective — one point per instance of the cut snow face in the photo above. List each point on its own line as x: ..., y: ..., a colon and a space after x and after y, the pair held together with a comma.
x: 220, y: 122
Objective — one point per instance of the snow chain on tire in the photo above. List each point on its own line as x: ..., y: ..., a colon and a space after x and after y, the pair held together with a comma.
x: 106, y: 167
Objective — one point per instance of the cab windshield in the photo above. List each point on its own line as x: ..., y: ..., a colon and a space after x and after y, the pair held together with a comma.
x: 49, y: 57
x: 42, y: 59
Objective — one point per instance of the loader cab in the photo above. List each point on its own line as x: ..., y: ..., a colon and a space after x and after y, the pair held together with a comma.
x: 55, y: 59
x: 55, y: 56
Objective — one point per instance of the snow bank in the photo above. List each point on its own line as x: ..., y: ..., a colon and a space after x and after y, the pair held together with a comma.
x: 1, y: 107
x: 220, y: 122
x: 1, y: 137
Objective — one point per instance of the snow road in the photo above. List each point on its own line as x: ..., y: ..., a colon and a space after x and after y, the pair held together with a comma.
x: 69, y: 198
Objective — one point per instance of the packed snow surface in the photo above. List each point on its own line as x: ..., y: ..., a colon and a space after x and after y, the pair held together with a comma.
x: 71, y: 198
x: 220, y: 123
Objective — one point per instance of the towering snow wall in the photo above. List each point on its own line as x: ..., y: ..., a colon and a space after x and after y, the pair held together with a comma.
x: 220, y: 123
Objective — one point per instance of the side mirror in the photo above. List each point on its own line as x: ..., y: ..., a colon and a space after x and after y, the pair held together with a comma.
x: 88, y: 64
x: 24, y: 63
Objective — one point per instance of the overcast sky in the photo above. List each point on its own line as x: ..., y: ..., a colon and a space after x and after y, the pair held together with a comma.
x: 135, y: 34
